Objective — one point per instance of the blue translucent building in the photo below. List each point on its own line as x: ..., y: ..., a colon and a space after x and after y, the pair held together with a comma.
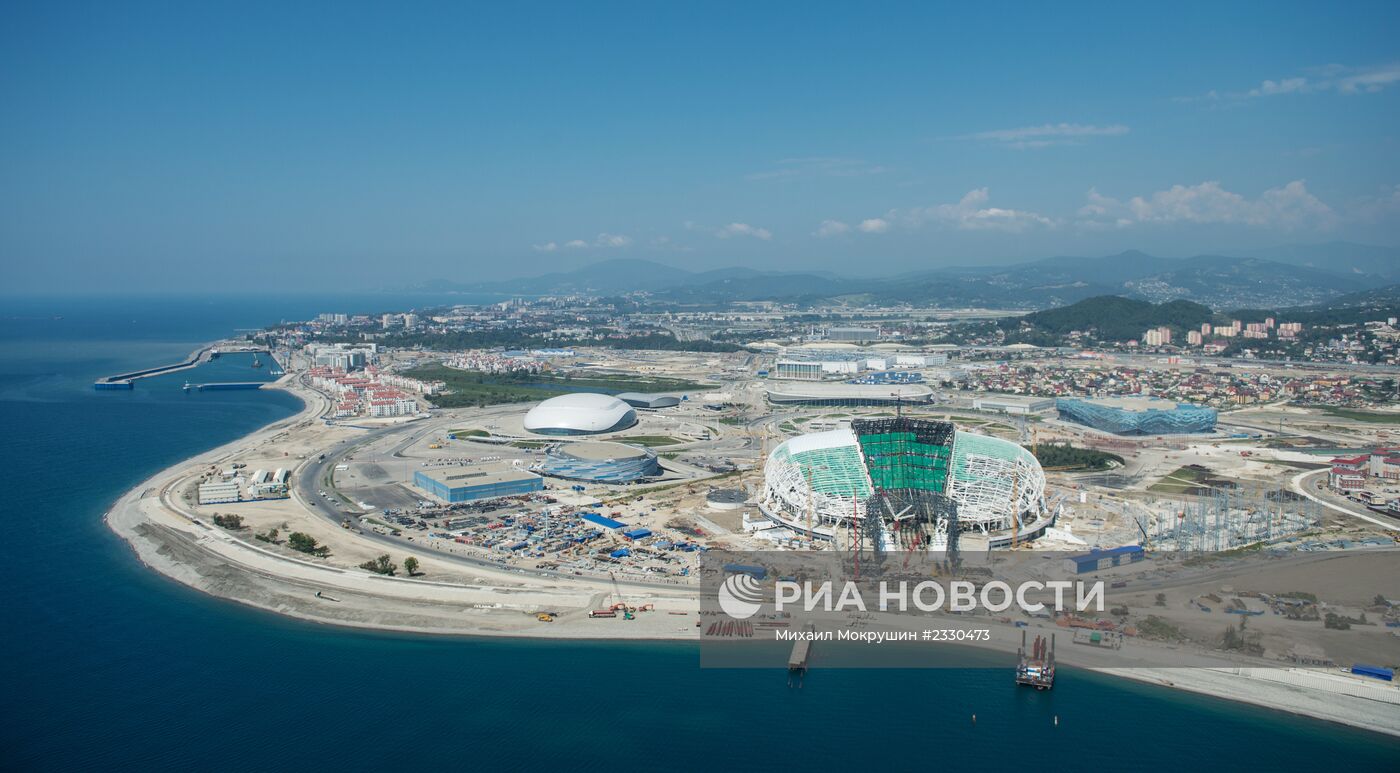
x: 1138, y: 416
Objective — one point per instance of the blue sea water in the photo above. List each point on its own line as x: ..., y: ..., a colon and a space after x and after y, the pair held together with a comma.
x: 108, y: 666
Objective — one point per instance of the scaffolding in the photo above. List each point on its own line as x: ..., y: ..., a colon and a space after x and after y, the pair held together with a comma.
x: 912, y: 520
x: 817, y: 475
x: 1226, y: 519
x: 998, y: 485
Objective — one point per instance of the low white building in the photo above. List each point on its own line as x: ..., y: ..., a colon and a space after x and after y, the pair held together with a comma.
x: 218, y: 492
x: 1017, y: 405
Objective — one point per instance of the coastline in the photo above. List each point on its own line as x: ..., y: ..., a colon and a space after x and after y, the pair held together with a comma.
x: 498, y: 603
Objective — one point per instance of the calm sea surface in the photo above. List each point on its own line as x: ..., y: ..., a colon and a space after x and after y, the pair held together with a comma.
x: 107, y: 665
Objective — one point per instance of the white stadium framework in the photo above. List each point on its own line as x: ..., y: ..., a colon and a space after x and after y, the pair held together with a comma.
x: 825, y: 479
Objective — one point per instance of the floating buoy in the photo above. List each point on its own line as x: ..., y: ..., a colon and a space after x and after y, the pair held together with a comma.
x: 974, y: 719
x: 1057, y: 720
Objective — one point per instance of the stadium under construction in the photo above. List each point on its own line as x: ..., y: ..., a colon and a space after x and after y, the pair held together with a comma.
x: 905, y: 483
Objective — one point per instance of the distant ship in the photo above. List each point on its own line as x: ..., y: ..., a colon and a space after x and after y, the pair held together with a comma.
x: 257, y: 363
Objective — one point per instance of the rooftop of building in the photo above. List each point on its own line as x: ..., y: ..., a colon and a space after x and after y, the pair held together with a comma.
x: 595, y: 451
x: 476, y: 476
x: 1133, y: 403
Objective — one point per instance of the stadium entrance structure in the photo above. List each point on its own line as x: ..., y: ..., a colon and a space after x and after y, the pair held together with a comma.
x: 922, y: 482
x: 909, y: 462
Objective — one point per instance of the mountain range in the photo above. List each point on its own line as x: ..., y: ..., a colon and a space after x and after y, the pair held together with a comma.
x: 1295, y: 275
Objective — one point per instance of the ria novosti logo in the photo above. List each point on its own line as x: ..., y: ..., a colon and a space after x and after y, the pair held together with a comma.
x: 740, y: 596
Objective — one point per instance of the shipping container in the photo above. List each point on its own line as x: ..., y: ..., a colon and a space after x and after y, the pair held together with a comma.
x: 1374, y: 672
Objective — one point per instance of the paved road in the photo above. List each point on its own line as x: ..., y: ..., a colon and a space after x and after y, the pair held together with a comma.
x: 1302, y: 488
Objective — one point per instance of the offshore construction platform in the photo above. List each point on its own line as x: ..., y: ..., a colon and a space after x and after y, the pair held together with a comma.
x: 1036, y: 666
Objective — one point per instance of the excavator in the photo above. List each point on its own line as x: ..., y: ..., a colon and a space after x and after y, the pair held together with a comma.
x: 621, y: 605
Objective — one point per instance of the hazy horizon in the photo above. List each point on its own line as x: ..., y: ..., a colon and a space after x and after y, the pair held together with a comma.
x: 152, y: 148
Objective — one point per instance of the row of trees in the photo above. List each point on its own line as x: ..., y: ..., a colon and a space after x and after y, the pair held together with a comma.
x: 386, y: 566
x: 230, y: 522
x: 305, y: 543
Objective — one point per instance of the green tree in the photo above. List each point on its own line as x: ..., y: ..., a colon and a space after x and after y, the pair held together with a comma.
x: 1231, y: 640
x: 228, y: 521
x: 410, y: 565
x: 380, y: 565
x: 305, y: 543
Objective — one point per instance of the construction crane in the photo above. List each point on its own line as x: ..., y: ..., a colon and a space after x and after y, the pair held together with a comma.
x: 1015, y: 508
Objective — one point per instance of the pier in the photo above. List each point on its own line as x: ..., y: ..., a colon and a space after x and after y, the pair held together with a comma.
x: 223, y: 385
x: 798, y: 659
x: 204, y: 354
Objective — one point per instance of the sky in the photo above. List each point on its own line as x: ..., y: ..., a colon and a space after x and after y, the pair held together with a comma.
x: 170, y: 147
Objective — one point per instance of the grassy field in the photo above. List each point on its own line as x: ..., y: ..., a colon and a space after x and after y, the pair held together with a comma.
x: 651, y: 440
x: 1295, y: 465
x: 529, y: 444
x: 1367, y: 416
x: 1184, y: 480
x: 467, y: 389
x: 468, y: 433
x: 1178, y: 481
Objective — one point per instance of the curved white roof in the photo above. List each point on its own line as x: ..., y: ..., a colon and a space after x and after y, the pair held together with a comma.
x: 830, y: 390
x: 813, y: 441
x: 580, y: 413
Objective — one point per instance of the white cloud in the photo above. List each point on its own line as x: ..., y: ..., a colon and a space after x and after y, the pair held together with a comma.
x: 1369, y: 81
x: 1285, y: 86
x: 603, y: 240
x: 612, y: 240
x: 1289, y: 207
x: 971, y: 214
x: 744, y: 229
x: 830, y: 228
x: 1342, y: 79
x: 1045, y: 135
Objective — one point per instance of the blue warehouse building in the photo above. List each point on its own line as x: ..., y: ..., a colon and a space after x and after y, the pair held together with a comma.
x: 455, y: 484
x: 1138, y: 416
x: 600, y: 462
x: 1096, y: 559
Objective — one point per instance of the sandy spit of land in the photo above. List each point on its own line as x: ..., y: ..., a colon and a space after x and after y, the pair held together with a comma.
x: 490, y: 602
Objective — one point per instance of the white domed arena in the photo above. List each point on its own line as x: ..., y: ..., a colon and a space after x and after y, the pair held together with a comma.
x: 993, y: 489
x: 581, y: 413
